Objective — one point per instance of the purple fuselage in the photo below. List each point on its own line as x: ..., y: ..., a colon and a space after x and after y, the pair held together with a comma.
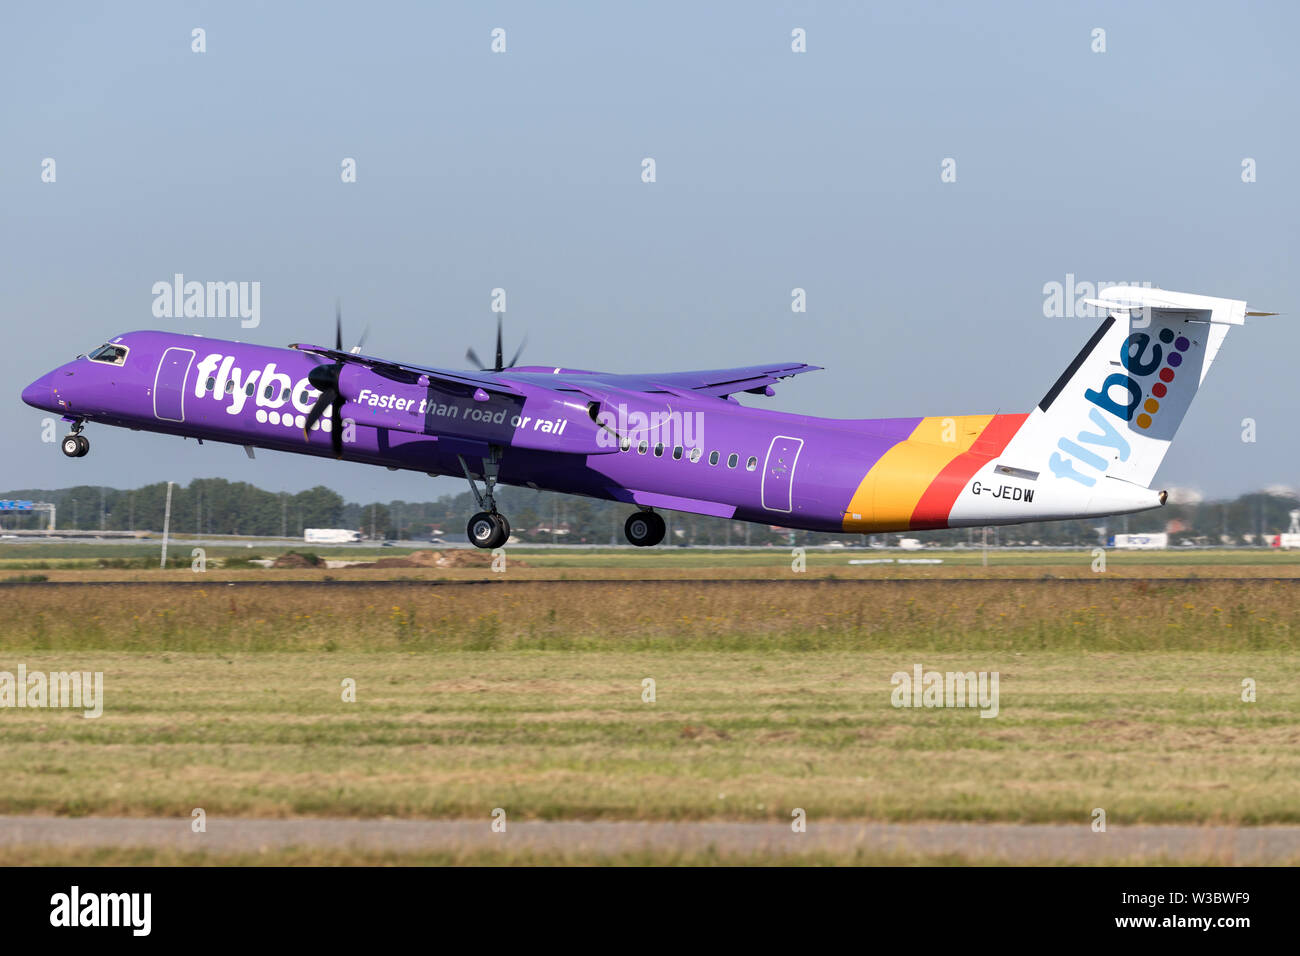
x: 611, y: 437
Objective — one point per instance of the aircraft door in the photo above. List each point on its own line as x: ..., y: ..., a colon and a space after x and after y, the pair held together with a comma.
x: 778, y: 473
x: 169, y: 384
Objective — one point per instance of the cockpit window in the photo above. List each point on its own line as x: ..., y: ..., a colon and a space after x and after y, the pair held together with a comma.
x: 110, y: 354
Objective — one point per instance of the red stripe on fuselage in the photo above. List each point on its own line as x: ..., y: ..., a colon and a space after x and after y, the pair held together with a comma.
x: 936, y: 503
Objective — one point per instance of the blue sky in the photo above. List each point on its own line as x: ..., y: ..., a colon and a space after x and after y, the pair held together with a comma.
x: 775, y: 170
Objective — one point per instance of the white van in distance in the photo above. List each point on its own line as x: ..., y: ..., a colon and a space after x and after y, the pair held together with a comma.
x: 330, y: 536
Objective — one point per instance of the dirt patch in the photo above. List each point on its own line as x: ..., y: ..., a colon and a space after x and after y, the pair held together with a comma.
x: 689, y: 732
x: 293, y: 559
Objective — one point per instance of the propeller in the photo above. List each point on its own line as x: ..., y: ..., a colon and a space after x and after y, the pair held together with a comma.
x: 499, y: 366
x: 325, y: 379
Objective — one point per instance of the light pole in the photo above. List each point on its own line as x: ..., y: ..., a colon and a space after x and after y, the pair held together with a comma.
x: 167, y: 521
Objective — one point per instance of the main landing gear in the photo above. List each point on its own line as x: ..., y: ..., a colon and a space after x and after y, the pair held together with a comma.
x: 644, y: 529
x: 488, y: 529
x: 76, y: 445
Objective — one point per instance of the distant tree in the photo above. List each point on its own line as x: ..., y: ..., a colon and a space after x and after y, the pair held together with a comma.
x: 319, y: 507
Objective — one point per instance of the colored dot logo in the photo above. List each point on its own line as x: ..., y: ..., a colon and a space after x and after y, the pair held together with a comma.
x: 1161, y: 388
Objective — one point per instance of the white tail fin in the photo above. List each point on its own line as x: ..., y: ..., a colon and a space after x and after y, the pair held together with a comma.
x: 1115, y: 410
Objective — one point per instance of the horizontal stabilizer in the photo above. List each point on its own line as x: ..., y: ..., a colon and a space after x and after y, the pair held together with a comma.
x: 1153, y: 303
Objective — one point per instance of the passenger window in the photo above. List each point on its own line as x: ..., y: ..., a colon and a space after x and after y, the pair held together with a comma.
x: 624, y: 444
x: 659, y: 449
x: 641, y: 448
x: 268, y: 392
x: 284, y: 395
x: 230, y: 386
x: 302, y: 399
x: 713, y: 458
x: 732, y: 459
x: 210, y: 384
x: 695, y: 454
x: 751, y: 464
x: 677, y: 453
x: 248, y: 389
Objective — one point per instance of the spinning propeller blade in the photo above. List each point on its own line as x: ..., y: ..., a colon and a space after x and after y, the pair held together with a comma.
x: 500, y: 364
x: 325, y: 379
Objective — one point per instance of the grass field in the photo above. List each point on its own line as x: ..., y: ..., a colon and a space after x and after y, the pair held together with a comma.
x: 106, y: 563
x: 1156, y: 737
x: 771, y: 694
x: 790, y: 615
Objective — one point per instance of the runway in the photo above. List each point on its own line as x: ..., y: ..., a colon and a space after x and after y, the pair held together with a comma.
x: 1004, y: 842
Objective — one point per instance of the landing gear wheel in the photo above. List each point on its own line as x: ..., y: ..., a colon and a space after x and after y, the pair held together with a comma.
x: 644, y: 529
x: 75, y: 446
x: 487, y: 530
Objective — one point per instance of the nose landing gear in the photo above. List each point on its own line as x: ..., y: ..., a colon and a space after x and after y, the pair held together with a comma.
x: 76, y: 445
x: 644, y: 529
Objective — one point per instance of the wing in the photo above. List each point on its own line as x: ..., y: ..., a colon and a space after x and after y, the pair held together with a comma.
x: 411, y: 374
x: 720, y: 383
x: 716, y: 382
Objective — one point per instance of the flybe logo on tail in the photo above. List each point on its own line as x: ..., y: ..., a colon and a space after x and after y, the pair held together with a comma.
x: 1122, y: 397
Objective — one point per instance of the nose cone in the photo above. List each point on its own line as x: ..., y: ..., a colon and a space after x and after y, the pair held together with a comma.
x: 40, y: 394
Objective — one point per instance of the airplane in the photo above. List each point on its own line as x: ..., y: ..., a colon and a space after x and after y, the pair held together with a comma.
x: 679, y: 441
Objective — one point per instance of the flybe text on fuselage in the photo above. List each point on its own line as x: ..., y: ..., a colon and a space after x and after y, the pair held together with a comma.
x: 220, y: 379
x: 402, y: 407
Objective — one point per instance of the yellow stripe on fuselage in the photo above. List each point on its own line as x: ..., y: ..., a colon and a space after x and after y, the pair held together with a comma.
x: 889, y: 492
